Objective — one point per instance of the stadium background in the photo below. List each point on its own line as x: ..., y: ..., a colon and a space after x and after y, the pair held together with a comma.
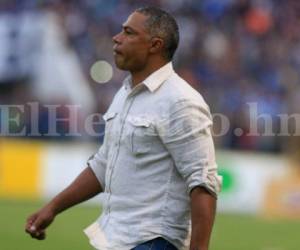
x: 235, y: 52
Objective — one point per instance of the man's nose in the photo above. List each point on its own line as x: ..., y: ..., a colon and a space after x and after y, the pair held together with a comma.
x: 116, y: 38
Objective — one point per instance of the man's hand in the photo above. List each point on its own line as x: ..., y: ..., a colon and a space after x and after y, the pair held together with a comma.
x: 84, y: 187
x: 38, y: 222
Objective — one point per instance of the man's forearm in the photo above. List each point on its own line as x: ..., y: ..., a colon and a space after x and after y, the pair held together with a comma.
x: 84, y: 187
x: 203, y: 208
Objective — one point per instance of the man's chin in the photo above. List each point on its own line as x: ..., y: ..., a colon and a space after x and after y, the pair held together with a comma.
x: 120, y: 66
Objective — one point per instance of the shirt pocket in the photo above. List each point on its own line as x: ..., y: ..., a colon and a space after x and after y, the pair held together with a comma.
x: 141, y: 135
x: 109, y: 118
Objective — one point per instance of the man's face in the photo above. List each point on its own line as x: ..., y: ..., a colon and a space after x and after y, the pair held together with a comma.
x: 132, y: 44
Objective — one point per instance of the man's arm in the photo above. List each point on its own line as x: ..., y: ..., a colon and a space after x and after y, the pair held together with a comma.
x: 187, y: 136
x: 203, y: 209
x: 84, y: 187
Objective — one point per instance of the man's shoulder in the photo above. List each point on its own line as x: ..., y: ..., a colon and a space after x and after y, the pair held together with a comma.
x: 117, y: 100
x: 176, y: 89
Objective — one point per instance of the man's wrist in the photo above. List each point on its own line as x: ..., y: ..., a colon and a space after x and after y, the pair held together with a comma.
x: 53, y: 207
x: 197, y: 245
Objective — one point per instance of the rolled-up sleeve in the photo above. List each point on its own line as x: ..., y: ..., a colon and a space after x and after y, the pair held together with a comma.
x: 97, y: 163
x: 186, y: 133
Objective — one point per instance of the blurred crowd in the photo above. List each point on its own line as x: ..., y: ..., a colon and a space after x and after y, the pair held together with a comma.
x: 234, y: 52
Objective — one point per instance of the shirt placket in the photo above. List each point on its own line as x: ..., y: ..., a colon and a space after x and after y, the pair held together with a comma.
x: 117, y: 142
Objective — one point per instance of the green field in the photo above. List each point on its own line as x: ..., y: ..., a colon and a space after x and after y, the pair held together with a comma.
x: 231, y: 232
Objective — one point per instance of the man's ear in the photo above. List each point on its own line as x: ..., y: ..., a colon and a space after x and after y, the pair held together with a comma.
x: 157, y: 45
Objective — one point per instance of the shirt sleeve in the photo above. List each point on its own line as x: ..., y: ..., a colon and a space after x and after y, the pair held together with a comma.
x: 186, y: 133
x: 97, y: 163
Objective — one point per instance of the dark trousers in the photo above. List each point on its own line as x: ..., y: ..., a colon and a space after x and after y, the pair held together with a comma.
x: 155, y: 244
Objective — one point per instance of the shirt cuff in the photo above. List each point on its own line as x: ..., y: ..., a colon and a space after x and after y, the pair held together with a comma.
x: 212, y: 183
x: 98, y: 171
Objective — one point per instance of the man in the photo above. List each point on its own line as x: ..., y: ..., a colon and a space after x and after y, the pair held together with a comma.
x: 156, y: 168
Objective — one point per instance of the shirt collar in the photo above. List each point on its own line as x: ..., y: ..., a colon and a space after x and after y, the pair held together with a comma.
x: 127, y: 83
x: 155, y: 80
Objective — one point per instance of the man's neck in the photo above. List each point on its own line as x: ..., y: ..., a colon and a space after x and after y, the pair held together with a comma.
x: 139, y: 76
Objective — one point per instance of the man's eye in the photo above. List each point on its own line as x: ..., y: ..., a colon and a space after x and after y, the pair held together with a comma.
x: 128, y: 32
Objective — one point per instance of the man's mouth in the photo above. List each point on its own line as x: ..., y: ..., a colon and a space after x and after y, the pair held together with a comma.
x: 117, y: 51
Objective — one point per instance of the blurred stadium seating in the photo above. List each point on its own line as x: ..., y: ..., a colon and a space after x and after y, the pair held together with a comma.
x: 234, y: 52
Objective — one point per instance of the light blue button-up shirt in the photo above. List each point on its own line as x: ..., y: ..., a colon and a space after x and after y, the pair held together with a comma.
x: 157, y: 148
